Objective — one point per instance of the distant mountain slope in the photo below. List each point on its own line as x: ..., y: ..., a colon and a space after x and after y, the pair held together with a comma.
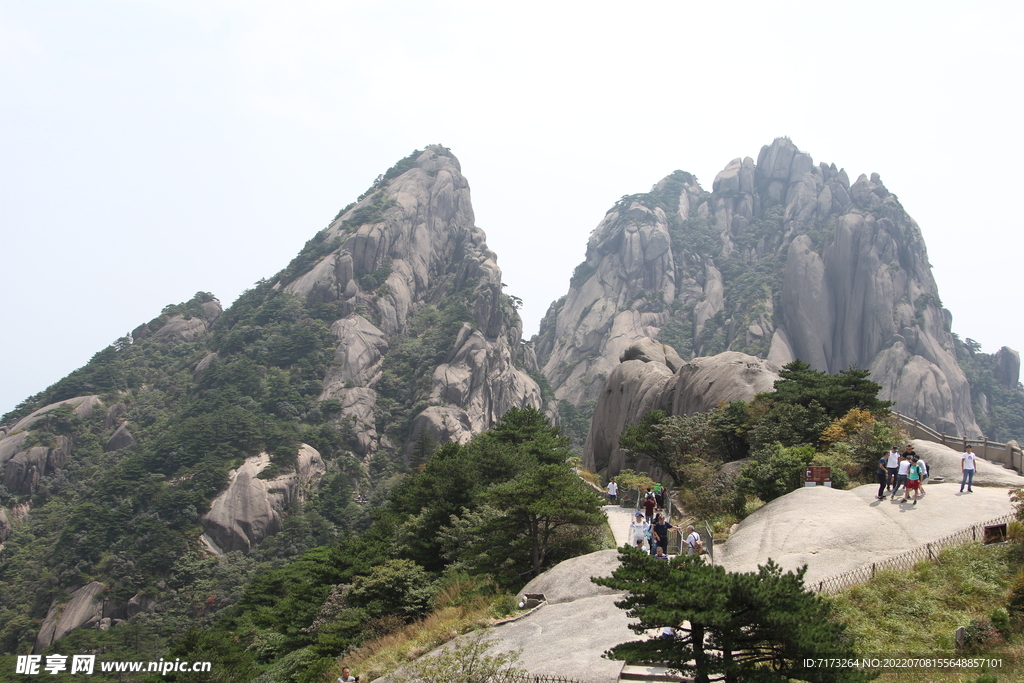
x: 783, y: 259
x: 251, y: 428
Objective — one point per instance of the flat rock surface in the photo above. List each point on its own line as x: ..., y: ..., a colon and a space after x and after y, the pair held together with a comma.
x: 568, y: 639
x: 834, y: 531
x: 944, y: 461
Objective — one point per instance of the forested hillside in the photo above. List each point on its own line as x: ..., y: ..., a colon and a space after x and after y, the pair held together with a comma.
x: 143, y: 492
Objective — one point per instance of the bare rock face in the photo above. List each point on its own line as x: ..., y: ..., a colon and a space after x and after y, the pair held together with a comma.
x: 23, y: 470
x: 1007, y: 370
x: 250, y: 509
x: 122, y: 438
x: 83, y: 610
x: 784, y: 259
x: 181, y: 328
x: 404, y: 252
x: 82, y: 406
x: 646, y: 380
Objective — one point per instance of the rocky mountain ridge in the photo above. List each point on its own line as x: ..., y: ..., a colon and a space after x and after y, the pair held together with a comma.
x: 783, y: 259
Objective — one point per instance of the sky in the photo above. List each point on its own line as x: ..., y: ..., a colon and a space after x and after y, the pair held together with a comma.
x: 150, y: 149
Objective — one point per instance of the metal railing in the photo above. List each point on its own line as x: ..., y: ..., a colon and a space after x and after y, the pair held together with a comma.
x: 1005, y: 454
x: 907, y: 560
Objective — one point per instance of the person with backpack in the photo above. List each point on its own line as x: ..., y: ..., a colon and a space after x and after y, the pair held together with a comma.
x: 659, y: 495
x: 694, y: 545
x: 649, y: 505
x: 924, y: 471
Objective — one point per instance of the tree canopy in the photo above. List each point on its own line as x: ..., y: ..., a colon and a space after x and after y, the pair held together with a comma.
x: 731, y: 627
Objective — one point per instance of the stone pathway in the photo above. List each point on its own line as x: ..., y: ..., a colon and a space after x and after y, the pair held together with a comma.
x: 619, y: 519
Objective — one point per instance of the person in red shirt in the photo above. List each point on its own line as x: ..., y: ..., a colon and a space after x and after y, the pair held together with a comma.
x: 649, y: 505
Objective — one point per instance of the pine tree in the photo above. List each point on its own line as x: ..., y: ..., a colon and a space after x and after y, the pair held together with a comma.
x: 752, y: 627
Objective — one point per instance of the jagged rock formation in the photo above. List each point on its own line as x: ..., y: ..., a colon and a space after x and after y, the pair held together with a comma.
x: 405, y: 255
x: 250, y: 509
x: 783, y: 259
x: 650, y: 377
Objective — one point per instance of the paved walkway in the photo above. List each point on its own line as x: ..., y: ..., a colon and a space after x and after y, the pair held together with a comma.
x: 619, y: 519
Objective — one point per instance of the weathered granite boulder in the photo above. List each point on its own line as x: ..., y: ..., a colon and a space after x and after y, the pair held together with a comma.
x: 250, y: 509
x: 122, y: 438
x: 637, y: 386
x: 82, y: 406
x: 5, y: 525
x: 83, y: 610
x: 202, y: 365
x: 114, y: 415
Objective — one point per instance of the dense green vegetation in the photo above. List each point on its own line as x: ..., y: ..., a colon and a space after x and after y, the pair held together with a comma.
x: 129, y: 518
x: 509, y: 496
x: 999, y: 409
x: 812, y: 418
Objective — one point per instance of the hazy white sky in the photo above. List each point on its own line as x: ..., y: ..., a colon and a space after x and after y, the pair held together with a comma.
x: 153, y: 148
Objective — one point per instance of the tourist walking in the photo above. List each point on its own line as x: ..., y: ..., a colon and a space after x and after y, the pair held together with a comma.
x: 901, y: 476
x: 967, y: 465
x: 613, y: 492
x: 692, y: 540
x: 659, y: 532
x: 659, y: 495
x: 913, y: 482
x: 638, y: 530
x: 649, y: 505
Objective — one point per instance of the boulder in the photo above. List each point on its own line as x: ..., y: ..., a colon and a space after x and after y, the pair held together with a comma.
x: 114, y: 415
x: 637, y: 386
x: 85, y: 607
x: 708, y: 382
x: 82, y: 406
x: 122, y: 438
x: 250, y: 509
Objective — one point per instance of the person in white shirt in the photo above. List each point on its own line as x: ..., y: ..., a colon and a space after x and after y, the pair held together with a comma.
x: 901, y: 476
x: 967, y: 466
x: 638, y: 530
x: 893, y: 465
x: 347, y: 677
x: 613, y: 492
x: 692, y: 539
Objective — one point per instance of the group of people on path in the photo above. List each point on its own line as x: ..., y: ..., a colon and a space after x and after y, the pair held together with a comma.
x: 907, y: 470
x: 910, y: 471
x: 649, y: 529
